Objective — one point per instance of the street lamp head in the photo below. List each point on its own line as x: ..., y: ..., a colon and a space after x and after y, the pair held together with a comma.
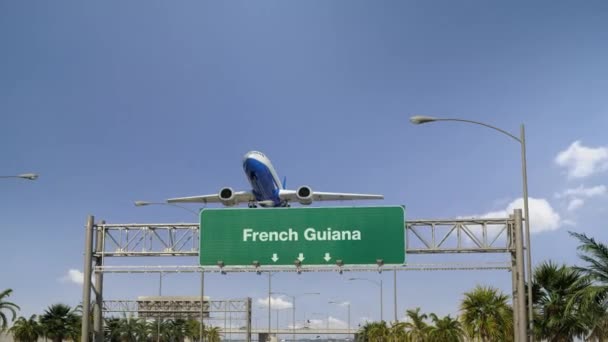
x: 30, y: 176
x: 141, y: 203
x: 420, y: 119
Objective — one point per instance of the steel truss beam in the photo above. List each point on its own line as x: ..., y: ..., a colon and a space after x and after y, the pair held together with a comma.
x: 168, y: 308
x: 172, y: 239
x: 458, y: 236
x: 303, y: 269
x: 422, y: 237
x: 231, y: 305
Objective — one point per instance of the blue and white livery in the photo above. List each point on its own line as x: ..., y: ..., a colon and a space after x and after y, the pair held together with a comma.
x: 267, y: 190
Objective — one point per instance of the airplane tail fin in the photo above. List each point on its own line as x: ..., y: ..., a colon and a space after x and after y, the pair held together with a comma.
x: 284, y: 182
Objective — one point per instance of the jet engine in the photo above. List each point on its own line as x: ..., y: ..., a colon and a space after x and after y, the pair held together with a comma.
x: 304, y: 194
x: 227, y: 197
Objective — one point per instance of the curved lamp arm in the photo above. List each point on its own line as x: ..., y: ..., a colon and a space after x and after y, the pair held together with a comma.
x: 421, y: 119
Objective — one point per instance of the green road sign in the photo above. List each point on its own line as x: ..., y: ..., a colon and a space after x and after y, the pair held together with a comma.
x: 314, y: 236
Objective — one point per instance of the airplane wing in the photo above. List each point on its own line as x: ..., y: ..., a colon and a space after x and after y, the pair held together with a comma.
x: 292, y: 196
x: 336, y: 196
x: 238, y: 197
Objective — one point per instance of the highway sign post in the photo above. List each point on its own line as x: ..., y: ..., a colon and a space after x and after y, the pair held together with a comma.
x: 302, y: 236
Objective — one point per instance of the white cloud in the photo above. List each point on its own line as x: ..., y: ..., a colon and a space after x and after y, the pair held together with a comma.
x: 575, y: 195
x: 298, y: 325
x: 575, y: 203
x: 336, y: 323
x: 542, y: 216
x: 582, y: 191
x: 316, y: 324
x: 276, y: 303
x: 581, y: 161
x: 73, y: 276
x: 365, y: 319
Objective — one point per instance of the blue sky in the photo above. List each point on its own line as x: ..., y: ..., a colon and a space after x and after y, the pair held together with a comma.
x: 118, y: 101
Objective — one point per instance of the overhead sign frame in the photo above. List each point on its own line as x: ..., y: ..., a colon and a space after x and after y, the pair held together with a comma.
x: 304, y: 237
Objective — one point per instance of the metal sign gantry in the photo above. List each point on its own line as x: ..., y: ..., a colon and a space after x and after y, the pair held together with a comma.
x: 500, y: 235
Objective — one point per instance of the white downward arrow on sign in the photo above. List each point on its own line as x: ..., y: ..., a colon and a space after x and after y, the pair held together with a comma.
x: 274, y: 257
x: 301, y: 257
x: 327, y: 257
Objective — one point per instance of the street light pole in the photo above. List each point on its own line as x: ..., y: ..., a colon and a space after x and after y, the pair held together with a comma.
x: 381, y: 299
x: 277, y: 310
x: 418, y: 119
x: 348, y: 304
x: 522, y: 137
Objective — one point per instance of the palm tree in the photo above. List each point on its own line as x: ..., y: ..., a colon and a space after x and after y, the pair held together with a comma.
x: 377, y: 332
x: 595, y: 254
x: 26, y: 330
x: 112, y: 329
x: 594, y: 298
x: 363, y: 332
x: 151, y: 327
x: 417, y: 329
x: 599, y: 329
x: 213, y: 334
x: 446, y: 329
x: 132, y: 329
x: 560, y: 316
x: 193, y: 329
x: 4, y: 305
x: 398, y: 332
x: 61, y: 322
x: 486, y: 315
x: 175, y: 330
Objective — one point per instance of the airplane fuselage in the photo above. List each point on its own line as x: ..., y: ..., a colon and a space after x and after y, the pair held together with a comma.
x: 265, y: 183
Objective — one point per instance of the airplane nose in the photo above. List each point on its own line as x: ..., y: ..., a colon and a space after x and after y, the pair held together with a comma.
x: 247, y: 159
x: 247, y: 155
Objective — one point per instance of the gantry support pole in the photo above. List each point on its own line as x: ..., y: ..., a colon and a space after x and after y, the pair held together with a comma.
x: 98, y: 289
x: 248, y: 336
x: 202, y: 326
x: 512, y: 238
x: 86, y: 286
x: 395, y: 294
x: 519, y: 261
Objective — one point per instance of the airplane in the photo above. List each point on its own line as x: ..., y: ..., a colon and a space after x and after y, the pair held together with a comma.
x: 267, y: 189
